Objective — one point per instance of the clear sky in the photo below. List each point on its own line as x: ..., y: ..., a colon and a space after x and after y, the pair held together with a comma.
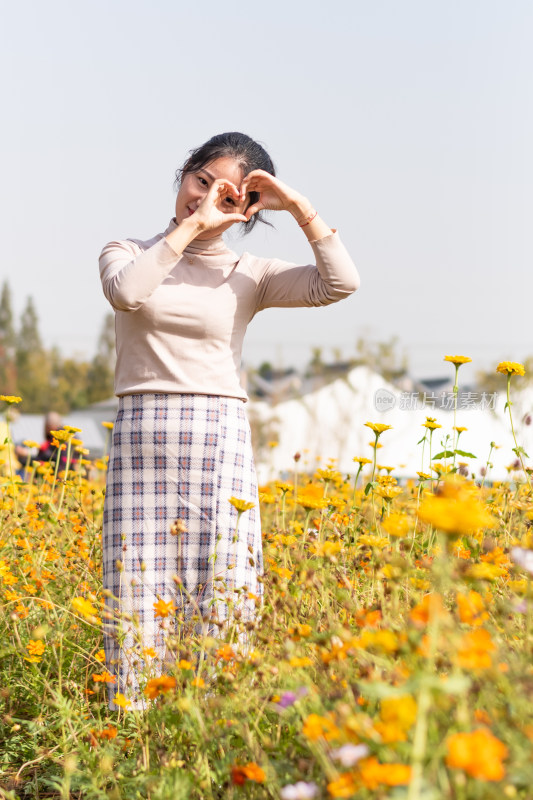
x: 408, y: 124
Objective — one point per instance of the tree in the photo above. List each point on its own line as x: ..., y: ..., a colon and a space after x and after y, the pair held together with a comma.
x: 68, y: 383
x: 32, y: 363
x: 383, y: 357
x: 100, y: 379
x: 8, y: 374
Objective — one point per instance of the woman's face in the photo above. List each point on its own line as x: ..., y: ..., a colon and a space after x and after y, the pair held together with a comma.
x: 195, y: 185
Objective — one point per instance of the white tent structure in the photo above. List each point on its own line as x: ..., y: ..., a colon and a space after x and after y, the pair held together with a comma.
x: 329, y: 424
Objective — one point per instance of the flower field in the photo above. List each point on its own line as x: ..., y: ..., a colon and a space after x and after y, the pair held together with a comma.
x: 391, y: 655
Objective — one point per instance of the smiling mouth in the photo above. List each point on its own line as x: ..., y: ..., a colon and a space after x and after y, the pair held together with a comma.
x: 191, y: 211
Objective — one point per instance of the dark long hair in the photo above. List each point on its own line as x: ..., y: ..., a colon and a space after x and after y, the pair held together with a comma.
x: 248, y: 153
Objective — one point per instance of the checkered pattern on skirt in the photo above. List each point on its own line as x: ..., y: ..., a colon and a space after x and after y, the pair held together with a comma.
x: 176, y: 457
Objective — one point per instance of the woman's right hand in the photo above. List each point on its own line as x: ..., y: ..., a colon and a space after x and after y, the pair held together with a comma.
x: 219, y: 207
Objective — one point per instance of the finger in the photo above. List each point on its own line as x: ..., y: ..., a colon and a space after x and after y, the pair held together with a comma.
x: 235, y: 218
x: 253, y: 210
x: 227, y: 187
x: 254, y: 180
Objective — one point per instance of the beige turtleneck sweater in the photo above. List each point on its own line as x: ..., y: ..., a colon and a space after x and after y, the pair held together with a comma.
x: 180, y: 319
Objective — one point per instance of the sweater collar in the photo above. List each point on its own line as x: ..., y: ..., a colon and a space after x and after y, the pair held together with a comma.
x: 209, y: 247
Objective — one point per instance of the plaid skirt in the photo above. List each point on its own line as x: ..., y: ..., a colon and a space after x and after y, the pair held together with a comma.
x: 169, y: 528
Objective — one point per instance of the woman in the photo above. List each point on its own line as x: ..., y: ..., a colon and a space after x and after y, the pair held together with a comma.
x: 181, y: 443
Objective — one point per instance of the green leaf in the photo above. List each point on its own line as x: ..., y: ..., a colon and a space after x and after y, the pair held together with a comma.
x: 464, y: 453
x: 370, y: 485
x: 520, y: 450
x: 444, y: 454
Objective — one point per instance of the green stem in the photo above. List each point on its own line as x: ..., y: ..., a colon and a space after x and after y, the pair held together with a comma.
x: 487, y: 464
x: 67, y: 465
x: 355, y: 485
x: 455, y: 393
x: 518, y: 450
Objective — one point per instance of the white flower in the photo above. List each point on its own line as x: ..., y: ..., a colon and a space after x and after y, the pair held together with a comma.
x: 350, y: 754
x: 299, y: 791
x: 523, y: 557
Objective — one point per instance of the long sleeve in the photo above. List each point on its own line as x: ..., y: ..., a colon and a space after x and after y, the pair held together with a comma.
x: 281, y: 284
x: 130, y: 276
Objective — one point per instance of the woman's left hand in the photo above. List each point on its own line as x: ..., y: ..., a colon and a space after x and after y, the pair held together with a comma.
x: 274, y: 195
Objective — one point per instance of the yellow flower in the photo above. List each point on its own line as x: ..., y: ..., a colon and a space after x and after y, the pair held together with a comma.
x: 35, y: 648
x: 71, y: 429
x: 460, y: 428
x: 60, y: 436
x: 241, y: 505
x: 456, y: 510
x: 300, y: 661
x: 378, y: 427
x: 86, y: 609
x: 510, y: 368
x: 399, y: 710
x: 457, y: 360
x: 284, y: 487
x: 485, y: 572
x: 108, y: 425
x: 9, y: 398
x: 121, y: 701
x: 383, y: 641
x: 100, y: 656
x: 311, y: 502
x: 370, y: 540
x: 396, y: 524
x: 431, y: 424
x: 266, y: 497
x: 183, y: 664
x: 398, y: 715
x: 326, y: 549
x: 388, y: 492
x: 362, y: 461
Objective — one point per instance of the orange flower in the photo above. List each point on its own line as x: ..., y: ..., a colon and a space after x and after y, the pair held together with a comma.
x: 471, y: 608
x: 373, y: 773
x: 317, y: 727
x: 251, y: 772
x: 344, y: 786
x: 156, y: 686
x: 474, y: 650
x: 104, y: 677
x: 225, y: 653
x: 35, y: 647
x: 430, y: 606
x: 368, y: 619
x: 107, y: 733
x: 163, y: 609
x: 479, y: 754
